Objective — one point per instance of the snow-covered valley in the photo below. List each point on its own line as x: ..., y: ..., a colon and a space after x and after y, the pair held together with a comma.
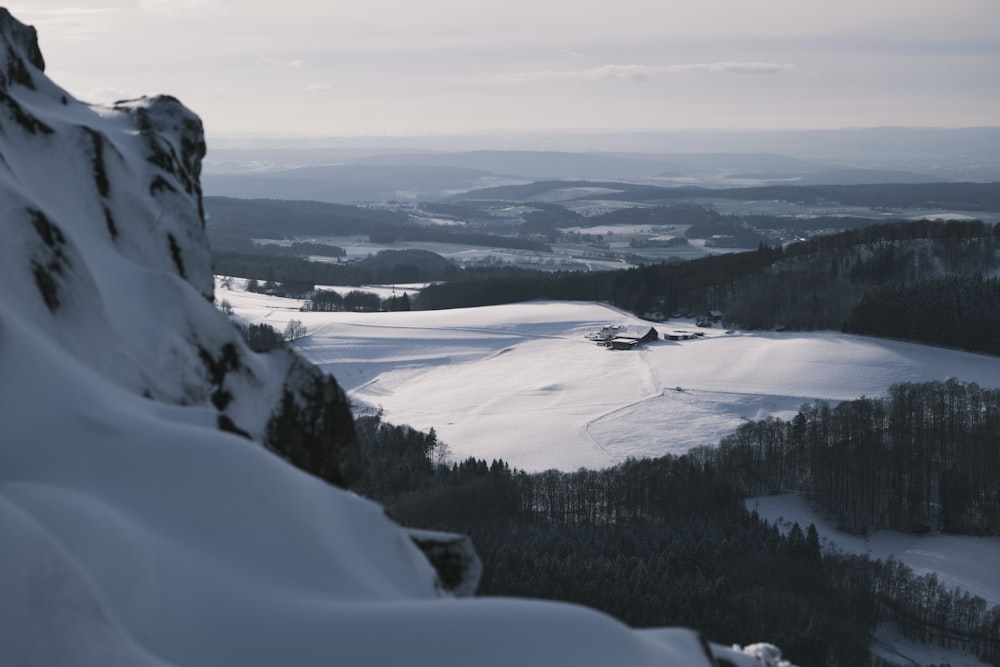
x: 522, y: 382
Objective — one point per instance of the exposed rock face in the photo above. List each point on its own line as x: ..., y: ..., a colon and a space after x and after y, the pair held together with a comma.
x: 105, y: 251
x: 21, y: 45
x: 454, y: 559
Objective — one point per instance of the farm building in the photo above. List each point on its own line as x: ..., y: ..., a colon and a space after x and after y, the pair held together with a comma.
x: 623, y: 336
x: 631, y: 336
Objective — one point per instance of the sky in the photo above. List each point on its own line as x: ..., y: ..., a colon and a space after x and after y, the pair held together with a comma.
x: 436, y: 67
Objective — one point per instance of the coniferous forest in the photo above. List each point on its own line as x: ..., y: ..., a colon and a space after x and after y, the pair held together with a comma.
x: 924, y: 457
x: 669, y: 541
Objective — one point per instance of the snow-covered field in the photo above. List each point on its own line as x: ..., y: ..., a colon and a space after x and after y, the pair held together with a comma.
x: 891, y: 645
x: 958, y: 560
x: 521, y: 382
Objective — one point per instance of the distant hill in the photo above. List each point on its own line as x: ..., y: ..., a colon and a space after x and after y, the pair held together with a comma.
x: 344, y: 183
x: 339, y: 174
x: 862, y: 177
x: 567, y: 165
x: 967, y: 196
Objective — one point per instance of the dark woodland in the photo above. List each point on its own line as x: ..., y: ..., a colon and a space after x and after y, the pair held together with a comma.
x: 669, y: 541
x: 925, y: 457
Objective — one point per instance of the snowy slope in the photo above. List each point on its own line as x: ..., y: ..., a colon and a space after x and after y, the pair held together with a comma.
x: 958, y: 560
x: 135, y: 527
x: 963, y: 561
x: 521, y: 382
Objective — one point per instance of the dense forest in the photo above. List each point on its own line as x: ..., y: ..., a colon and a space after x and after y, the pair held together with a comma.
x: 232, y: 225
x: 861, y: 280
x: 294, y: 276
x: 924, y: 457
x: 666, y: 541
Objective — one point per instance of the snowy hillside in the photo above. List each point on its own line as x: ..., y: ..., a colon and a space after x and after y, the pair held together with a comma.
x: 141, y: 520
x: 521, y: 382
x: 965, y: 561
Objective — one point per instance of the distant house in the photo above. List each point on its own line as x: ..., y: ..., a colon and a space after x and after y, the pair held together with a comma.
x: 631, y: 336
x: 623, y: 336
x: 680, y: 334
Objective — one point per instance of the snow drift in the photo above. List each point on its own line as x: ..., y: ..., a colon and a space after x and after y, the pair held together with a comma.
x: 141, y: 520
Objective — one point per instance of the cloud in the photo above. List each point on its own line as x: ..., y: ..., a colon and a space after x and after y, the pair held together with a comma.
x: 294, y: 63
x: 735, y: 68
x: 318, y: 87
x: 174, y: 7
x: 642, y: 73
x: 627, y: 72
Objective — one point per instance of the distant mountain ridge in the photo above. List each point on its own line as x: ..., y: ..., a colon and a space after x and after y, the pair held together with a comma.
x: 970, y: 196
x: 368, y: 169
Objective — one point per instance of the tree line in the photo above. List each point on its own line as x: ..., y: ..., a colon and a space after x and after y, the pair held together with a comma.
x: 386, y: 267
x: 665, y: 541
x: 356, y: 301
x: 924, y: 457
x: 847, y: 281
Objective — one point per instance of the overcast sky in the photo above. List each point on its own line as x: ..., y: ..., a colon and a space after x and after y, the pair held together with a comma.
x: 405, y: 67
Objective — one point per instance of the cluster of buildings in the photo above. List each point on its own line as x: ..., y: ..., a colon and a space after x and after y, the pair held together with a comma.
x: 630, y: 336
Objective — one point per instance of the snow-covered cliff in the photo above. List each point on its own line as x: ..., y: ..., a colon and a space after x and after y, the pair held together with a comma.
x: 141, y: 520
x: 105, y: 256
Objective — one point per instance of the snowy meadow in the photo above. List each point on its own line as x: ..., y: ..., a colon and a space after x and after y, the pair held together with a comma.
x: 522, y: 382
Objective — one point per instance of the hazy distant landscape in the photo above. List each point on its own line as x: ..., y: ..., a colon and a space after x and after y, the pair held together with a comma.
x: 421, y: 168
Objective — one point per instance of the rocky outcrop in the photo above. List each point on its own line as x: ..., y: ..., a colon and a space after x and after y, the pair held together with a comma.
x: 105, y: 251
x: 453, y: 558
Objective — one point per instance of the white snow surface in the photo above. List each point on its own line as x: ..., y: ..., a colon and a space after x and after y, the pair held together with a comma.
x: 891, y: 645
x: 133, y: 532
x: 522, y: 383
x: 967, y: 562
